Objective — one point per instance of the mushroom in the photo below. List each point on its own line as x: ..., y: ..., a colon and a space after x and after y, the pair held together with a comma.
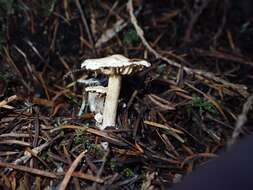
x: 114, y: 66
x: 96, y: 99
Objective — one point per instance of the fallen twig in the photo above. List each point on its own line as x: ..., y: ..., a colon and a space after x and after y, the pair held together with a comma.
x: 101, y: 169
x: 14, y: 142
x: 87, y: 177
x: 28, y: 169
x: 50, y: 174
x: 73, y: 166
x: 205, y: 155
x: 242, y: 119
x: 35, y: 151
x: 111, y: 32
x: 8, y: 100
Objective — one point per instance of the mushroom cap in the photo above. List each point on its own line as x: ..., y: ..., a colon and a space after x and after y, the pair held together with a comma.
x: 115, y: 64
x: 98, y: 89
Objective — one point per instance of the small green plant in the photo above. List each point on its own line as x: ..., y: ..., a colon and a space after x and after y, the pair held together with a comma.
x: 44, y: 156
x: 113, y: 165
x: 201, y: 104
x: 97, y: 150
x: 128, y: 172
x: 72, y: 99
x: 77, y: 139
x: 80, y: 138
x: 79, y: 132
x: 87, y: 143
x: 131, y: 37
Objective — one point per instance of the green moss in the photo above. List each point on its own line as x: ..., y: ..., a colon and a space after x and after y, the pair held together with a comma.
x: 201, y: 105
x: 131, y: 37
x: 128, y: 172
x: 113, y: 165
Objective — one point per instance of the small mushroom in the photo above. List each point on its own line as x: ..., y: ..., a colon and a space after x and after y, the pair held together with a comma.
x: 96, y: 98
x: 114, y: 66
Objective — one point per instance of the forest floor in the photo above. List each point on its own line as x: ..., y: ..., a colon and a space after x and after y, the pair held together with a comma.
x: 173, y: 116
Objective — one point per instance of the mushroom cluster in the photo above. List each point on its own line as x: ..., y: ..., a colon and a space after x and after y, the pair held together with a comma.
x: 114, y: 66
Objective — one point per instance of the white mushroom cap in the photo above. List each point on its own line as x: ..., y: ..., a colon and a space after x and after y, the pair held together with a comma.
x: 115, y: 64
x: 98, y: 89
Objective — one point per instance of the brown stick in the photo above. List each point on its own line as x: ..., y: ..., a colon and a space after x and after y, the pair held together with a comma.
x: 68, y: 175
x: 241, y: 120
x: 28, y: 169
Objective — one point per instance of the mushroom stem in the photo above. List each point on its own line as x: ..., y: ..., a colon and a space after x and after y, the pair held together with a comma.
x: 111, y: 101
